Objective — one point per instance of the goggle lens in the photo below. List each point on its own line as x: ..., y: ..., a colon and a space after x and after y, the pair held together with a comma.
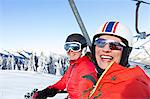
x: 113, y: 45
x: 74, y: 46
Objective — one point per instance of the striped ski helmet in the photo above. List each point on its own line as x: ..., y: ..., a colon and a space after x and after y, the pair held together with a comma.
x: 118, y: 30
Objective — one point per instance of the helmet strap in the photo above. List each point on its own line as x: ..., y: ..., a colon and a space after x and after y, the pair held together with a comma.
x: 83, y: 51
x: 125, y: 56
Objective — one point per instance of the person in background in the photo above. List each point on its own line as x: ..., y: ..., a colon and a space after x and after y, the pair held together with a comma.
x: 36, y: 62
x: 80, y: 77
x: 111, y: 48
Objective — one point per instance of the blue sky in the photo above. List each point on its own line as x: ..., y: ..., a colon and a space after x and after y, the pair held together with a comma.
x: 43, y: 25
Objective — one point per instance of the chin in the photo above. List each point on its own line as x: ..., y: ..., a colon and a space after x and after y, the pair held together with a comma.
x: 104, y: 65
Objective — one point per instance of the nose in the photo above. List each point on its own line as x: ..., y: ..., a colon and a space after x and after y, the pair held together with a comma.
x: 69, y: 51
x: 106, y: 48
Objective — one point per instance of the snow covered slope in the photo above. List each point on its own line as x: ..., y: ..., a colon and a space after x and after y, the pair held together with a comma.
x: 15, y: 84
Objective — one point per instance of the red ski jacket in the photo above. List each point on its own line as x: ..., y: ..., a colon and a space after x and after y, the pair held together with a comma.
x: 118, y: 82
x: 78, y: 79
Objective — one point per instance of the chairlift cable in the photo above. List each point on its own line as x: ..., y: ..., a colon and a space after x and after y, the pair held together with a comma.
x: 146, y: 51
x: 141, y: 35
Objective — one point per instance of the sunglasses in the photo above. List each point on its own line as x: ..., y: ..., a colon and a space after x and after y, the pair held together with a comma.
x: 74, y: 46
x: 113, y: 45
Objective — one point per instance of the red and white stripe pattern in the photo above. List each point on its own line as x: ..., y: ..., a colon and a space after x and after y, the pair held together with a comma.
x: 110, y: 27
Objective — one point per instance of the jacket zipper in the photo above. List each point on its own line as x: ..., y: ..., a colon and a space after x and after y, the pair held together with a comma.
x: 93, y: 91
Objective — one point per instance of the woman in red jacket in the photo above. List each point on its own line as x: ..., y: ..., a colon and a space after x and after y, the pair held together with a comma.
x: 80, y: 76
x: 112, y: 45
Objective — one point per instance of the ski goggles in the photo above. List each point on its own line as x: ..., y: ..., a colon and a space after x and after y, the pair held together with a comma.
x: 113, y: 45
x: 74, y: 46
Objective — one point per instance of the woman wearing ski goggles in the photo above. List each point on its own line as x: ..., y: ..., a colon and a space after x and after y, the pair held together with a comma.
x: 108, y: 48
x: 111, y: 47
x: 75, y: 79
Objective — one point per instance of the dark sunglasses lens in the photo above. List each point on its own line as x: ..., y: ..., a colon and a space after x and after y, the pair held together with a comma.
x: 75, y: 48
x: 115, y: 46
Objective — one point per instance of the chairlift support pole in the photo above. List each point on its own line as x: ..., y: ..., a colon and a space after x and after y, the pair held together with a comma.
x: 80, y: 23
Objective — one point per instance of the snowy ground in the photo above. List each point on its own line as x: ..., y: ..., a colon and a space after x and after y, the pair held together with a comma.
x: 15, y: 84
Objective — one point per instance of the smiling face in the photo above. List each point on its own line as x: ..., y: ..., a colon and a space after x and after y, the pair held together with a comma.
x: 74, y: 55
x: 105, y: 55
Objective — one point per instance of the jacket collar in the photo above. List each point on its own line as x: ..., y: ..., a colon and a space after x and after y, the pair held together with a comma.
x: 119, y: 73
x: 79, y: 60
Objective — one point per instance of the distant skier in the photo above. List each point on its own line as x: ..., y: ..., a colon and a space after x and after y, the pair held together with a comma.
x: 80, y: 76
x: 36, y: 61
